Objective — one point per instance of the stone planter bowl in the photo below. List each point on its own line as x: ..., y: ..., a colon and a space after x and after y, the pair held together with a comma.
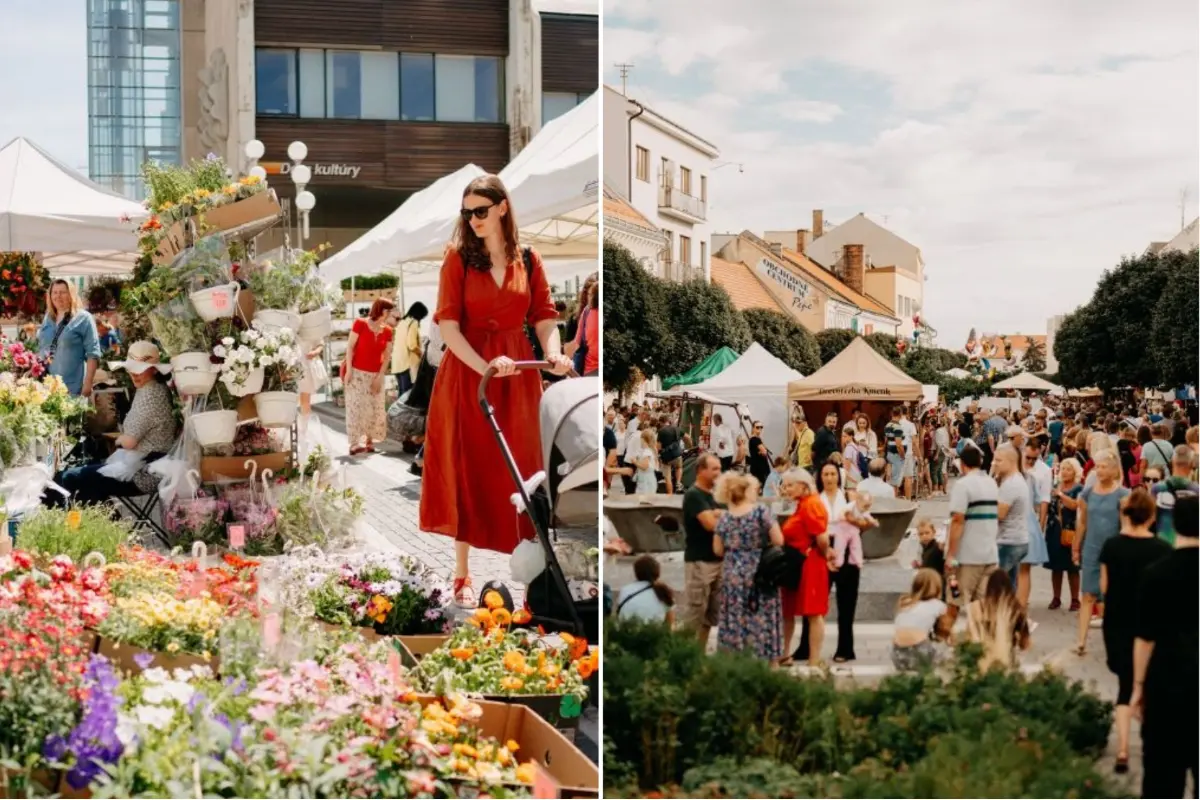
x: 894, y: 516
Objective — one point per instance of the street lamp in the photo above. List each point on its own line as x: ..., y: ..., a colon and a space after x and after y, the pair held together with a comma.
x: 740, y: 166
x: 254, y: 150
x: 301, y: 175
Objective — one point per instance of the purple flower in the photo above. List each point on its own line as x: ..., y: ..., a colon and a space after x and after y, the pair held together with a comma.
x: 238, y: 685
x: 143, y: 660
x: 94, y: 741
x: 195, y: 702
x: 212, y: 157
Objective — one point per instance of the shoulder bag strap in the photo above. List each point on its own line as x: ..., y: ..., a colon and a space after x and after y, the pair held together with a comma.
x: 625, y: 602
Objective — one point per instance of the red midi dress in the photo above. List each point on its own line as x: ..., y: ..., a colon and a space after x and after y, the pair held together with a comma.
x: 465, y: 486
x: 811, y: 598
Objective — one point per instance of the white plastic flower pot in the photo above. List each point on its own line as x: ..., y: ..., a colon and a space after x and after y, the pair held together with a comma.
x: 315, y: 326
x: 277, y: 409
x: 215, y: 303
x: 270, y: 320
x: 194, y: 373
x: 212, y: 428
x: 252, y: 385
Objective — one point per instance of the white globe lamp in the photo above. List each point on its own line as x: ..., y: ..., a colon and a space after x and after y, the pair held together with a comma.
x: 254, y: 149
x: 258, y: 172
x: 301, y: 175
x: 297, y: 151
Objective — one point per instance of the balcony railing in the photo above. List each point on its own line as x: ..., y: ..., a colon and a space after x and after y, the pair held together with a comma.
x: 679, y: 272
x: 673, y: 201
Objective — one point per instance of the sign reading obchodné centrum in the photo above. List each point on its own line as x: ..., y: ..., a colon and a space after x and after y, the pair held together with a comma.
x: 802, y: 299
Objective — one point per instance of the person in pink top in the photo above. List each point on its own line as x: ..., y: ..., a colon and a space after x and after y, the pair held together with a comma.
x: 585, y: 349
x: 847, y: 532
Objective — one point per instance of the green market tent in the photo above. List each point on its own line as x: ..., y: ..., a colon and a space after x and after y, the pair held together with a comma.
x: 708, y: 368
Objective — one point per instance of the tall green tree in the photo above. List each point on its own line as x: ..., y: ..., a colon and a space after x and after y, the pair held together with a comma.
x: 1124, y: 304
x: 1035, y: 357
x: 885, y: 345
x: 832, y: 341
x: 703, y: 320
x: 637, y: 331
x: 784, y: 338
x: 1173, y: 335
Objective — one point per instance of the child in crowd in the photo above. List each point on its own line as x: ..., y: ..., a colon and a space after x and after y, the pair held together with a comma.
x: 932, y: 555
x: 647, y: 599
x: 847, y: 535
x: 771, y: 489
x: 646, y: 462
x: 921, y: 617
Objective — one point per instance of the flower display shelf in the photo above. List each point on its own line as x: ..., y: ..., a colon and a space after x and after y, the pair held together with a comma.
x: 214, y: 469
x: 540, y: 741
x: 124, y: 657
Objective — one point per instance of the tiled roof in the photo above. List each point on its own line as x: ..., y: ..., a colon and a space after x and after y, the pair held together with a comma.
x: 827, y: 279
x: 1019, y: 341
x: 743, y: 286
x: 616, y: 206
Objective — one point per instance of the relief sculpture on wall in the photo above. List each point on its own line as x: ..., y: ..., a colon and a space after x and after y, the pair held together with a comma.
x: 213, y: 126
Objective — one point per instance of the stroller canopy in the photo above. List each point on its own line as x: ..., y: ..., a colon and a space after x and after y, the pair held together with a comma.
x: 570, y: 427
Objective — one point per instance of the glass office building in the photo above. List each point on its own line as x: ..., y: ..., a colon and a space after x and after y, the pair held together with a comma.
x: 134, y: 105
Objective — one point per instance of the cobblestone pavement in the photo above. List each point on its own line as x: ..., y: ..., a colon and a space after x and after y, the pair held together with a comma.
x: 1052, y: 646
x: 392, y: 499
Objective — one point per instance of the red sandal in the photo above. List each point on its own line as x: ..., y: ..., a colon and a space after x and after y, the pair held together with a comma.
x: 464, y: 595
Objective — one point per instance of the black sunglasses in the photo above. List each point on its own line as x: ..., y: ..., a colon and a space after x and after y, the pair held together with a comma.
x: 479, y: 213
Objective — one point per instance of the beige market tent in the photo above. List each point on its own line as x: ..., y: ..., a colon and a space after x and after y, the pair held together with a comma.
x: 858, y: 373
x: 1026, y: 382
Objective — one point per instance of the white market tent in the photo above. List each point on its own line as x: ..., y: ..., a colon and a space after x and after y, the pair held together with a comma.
x: 79, y: 227
x: 758, y: 381
x: 554, y: 188
x: 1027, y: 382
x: 957, y: 372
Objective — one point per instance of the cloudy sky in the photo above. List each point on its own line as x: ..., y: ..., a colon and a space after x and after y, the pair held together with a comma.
x: 43, y: 76
x: 1024, y: 146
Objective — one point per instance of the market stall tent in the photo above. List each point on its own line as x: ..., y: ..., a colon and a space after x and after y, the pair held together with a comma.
x: 757, y: 381
x: 79, y: 227
x: 1027, y: 382
x: 857, y: 373
x: 706, y: 369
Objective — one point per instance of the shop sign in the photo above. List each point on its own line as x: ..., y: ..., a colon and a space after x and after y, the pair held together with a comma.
x: 855, y: 389
x: 802, y: 296
x: 318, y: 170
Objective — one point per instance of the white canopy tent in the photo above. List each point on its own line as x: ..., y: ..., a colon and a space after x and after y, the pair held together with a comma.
x: 79, y: 227
x: 553, y: 184
x: 757, y: 381
x: 1027, y: 382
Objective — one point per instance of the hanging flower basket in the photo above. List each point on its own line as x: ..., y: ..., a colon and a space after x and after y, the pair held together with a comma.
x: 277, y: 409
x: 217, y: 302
x: 193, y: 373
x: 315, y: 326
x: 213, y: 428
x: 270, y: 320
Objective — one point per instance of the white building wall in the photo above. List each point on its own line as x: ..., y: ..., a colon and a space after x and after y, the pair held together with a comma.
x: 616, y: 141
x: 914, y: 290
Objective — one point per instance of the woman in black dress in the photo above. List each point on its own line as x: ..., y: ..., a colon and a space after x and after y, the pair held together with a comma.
x: 1123, y: 560
x: 1064, y: 500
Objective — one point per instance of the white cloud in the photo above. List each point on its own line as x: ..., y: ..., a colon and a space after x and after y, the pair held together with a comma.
x: 1026, y: 146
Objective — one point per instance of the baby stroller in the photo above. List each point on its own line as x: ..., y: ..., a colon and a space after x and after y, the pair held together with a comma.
x: 565, y: 495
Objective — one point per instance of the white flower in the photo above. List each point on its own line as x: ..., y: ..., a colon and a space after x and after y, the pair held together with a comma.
x: 219, y: 351
x: 156, y: 675
x: 157, y: 717
x: 265, y: 361
x: 126, y: 730
x: 227, y: 341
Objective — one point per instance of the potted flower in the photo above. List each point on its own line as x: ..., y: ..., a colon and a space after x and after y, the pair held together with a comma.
x: 276, y: 288
x: 207, y: 270
x: 265, y: 363
x: 217, y: 426
x: 316, y: 300
x: 200, y: 519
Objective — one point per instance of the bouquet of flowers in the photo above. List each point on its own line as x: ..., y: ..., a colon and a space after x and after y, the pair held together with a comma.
x: 393, y: 593
x: 201, y: 519
x: 22, y: 284
x: 255, y: 440
x: 273, y: 351
x: 322, y: 517
x: 15, y: 358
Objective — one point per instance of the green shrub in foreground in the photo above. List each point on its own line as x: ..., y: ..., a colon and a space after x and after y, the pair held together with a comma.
x: 730, y: 726
x: 48, y: 532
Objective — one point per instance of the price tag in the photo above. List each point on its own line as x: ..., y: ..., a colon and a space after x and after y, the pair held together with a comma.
x: 272, y: 628
x: 393, y: 664
x: 74, y: 519
x: 237, y: 536
x: 220, y: 300
x: 544, y: 784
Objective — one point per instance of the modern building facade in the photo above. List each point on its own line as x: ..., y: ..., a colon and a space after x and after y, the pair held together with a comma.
x: 134, y: 98
x: 662, y: 169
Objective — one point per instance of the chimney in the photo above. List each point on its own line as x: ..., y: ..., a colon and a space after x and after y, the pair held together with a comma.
x: 802, y: 240
x: 818, y: 224
x: 776, y: 248
x: 852, y: 266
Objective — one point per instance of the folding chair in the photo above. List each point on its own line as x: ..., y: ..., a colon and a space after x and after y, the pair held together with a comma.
x: 143, y: 508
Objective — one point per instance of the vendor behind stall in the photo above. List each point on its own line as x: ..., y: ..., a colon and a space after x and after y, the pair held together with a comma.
x: 148, y: 434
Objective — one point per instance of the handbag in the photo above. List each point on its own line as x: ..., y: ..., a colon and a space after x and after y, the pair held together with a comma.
x: 1066, y: 536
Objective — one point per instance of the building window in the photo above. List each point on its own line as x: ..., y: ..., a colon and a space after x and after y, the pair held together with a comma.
x: 362, y: 85
x: 685, y: 180
x: 312, y: 83
x: 555, y: 104
x: 685, y: 250
x: 670, y: 248
x: 416, y: 87
x: 664, y: 173
x: 704, y: 255
x: 467, y: 89
x: 275, y: 82
x: 704, y: 188
x: 642, y: 167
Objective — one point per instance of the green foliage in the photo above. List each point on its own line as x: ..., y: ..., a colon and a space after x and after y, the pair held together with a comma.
x: 637, y: 332
x: 950, y: 359
x: 784, y: 338
x: 731, y: 726
x: 705, y: 320
x: 371, y: 283
x: 1174, y: 340
x: 833, y: 341
x: 47, y: 532
x: 1035, y: 357
x: 885, y: 345
x: 167, y: 183
x: 922, y: 364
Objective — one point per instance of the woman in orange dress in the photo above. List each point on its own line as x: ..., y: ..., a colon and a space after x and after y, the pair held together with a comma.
x: 805, y: 531
x: 486, y: 295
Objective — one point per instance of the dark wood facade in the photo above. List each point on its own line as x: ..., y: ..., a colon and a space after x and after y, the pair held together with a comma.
x: 451, y: 27
x: 395, y: 155
x: 570, y: 53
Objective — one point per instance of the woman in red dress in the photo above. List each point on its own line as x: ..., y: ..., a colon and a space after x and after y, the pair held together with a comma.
x: 805, y: 530
x: 486, y: 295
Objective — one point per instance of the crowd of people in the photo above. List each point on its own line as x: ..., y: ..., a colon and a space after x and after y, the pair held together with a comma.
x: 1105, y: 497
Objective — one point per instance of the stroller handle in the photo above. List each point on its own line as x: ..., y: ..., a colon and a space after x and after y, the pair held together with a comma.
x: 520, y: 365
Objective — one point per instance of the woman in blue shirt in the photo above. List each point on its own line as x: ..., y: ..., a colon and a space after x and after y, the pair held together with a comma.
x: 68, y: 339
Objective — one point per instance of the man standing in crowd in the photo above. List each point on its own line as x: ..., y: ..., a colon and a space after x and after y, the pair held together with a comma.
x: 722, y: 442
x: 895, y: 448
x: 910, y: 451
x: 1166, y: 492
x: 670, y: 453
x: 875, y: 485
x: 804, y: 444
x: 971, y: 549
x: 702, y: 567
x: 1157, y: 451
x: 826, y: 441
x: 994, y: 428
x: 1043, y: 480
x: 1012, y: 511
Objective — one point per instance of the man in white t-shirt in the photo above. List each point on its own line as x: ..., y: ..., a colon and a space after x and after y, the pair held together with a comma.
x: 1012, y: 510
x: 722, y: 442
x: 910, y: 451
x: 875, y: 485
x: 971, y: 550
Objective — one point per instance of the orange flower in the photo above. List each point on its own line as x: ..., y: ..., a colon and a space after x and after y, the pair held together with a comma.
x: 512, y: 746
x: 463, y: 653
x: 511, y: 683
x: 501, y: 617
x: 585, y: 668
x: 575, y: 646
x: 521, y: 617
x: 525, y: 773
x: 483, y: 616
x: 514, y: 661
x: 493, y: 600
x: 474, y: 623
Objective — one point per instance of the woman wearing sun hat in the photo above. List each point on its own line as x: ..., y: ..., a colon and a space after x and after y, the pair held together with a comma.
x: 149, y: 431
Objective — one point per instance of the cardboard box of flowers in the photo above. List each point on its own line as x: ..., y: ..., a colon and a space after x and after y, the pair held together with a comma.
x: 295, y: 710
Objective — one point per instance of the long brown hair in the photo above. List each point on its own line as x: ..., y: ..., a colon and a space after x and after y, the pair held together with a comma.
x: 470, y: 247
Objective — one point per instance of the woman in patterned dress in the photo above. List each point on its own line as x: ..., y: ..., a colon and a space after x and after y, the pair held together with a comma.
x: 747, y: 622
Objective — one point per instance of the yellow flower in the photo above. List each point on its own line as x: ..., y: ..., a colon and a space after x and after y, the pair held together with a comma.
x: 511, y: 683
x: 202, y: 193
x: 512, y: 746
x: 514, y: 661
x: 173, y: 647
x: 525, y: 772
x: 230, y: 190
